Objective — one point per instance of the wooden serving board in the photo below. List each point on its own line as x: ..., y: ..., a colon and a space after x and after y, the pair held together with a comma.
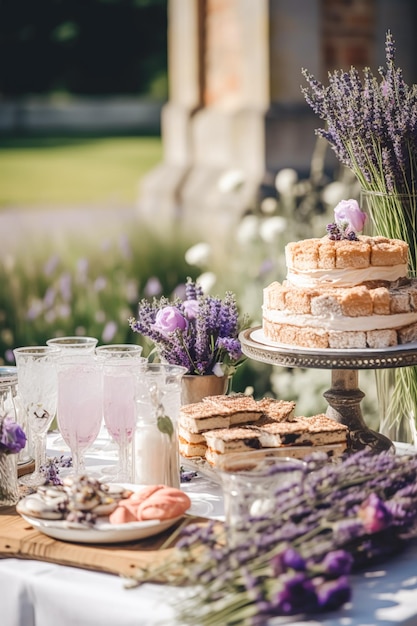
x: 19, y: 539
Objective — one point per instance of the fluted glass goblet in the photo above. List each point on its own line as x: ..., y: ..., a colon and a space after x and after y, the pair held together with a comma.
x: 122, y: 364
x: 80, y: 404
x: 37, y: 392
x: 71, y: 346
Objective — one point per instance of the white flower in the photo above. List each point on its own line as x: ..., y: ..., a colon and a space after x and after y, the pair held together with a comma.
x: 272, y: 227
x: 199, y: 254
x: 247, y: 230
x: 285, y: 180
x: 230, y: 181
x: 333, y: 193
x: 218, y: 370
x: 269, y: 206
x: 207, y: 280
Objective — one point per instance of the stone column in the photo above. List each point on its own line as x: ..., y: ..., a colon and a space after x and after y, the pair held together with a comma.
x: 235, y: 113
x: 228, y: 133
x: 160, y: 195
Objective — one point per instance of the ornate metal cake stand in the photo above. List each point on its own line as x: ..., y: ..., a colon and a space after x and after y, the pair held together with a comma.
x: 344, y: 396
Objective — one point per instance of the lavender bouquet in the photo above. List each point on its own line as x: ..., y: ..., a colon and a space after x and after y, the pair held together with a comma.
x: 200, y: 332
x: 371, y: 124
x: 342, y: 517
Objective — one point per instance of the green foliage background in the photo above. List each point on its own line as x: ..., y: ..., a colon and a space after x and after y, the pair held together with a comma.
x: 83, y: 47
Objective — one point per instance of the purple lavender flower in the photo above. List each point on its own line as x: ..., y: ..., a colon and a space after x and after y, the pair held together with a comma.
x: 298, y: 595
x: 231, y: 346
x: 153, y: 287
x: 191, y: 309
x: 337, y: 563
x: 109, y: 331
x: 51, y: 468
x: 186, y: 476
x: 289, y: 558
x: 12, y: 437
x: 332, y: 594
x: 370, y: 124
x: 298, y: 562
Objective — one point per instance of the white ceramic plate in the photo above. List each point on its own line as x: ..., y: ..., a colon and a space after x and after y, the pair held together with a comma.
x: 102, y: 532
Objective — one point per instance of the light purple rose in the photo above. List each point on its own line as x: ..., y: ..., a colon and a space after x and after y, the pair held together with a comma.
x: 169, y: 319
x: 348, y: 212
x: 191, y: 309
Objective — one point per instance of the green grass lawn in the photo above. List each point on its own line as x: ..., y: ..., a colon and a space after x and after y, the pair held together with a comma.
x: 52, y: 171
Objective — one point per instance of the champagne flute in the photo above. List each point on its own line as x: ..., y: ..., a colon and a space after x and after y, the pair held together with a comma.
x: 37, y: 393
x: 80, y: 404
x: 121, y: 365
x: 69, y: 346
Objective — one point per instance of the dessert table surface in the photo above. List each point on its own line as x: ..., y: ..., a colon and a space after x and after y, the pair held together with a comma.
x: 39, y: 593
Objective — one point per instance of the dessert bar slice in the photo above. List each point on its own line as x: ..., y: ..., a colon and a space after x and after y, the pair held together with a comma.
x: 190, y: 444
x: 238, y: 439
x: 201, y: 416
x: 277, y: 410
x: 323, y: 430
x: 244, y: 408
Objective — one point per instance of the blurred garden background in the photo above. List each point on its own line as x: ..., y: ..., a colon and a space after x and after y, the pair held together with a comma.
x: 144, y: 141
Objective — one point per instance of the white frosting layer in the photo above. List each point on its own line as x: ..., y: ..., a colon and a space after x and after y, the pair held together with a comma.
x: 345, y: 277
x: 365, y: 323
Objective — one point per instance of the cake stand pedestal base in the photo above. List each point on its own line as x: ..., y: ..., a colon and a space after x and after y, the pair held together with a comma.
x: 344, y: 400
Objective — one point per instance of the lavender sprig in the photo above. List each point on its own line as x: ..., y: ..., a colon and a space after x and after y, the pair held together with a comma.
x: 51, y: 468
x: 343, y: 515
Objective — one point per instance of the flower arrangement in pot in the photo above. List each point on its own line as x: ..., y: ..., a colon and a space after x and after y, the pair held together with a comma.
x: 200, y: 332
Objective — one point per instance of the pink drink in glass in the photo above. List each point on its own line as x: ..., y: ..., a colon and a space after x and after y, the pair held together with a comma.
x: 80, y: 406
x: 119, y: 404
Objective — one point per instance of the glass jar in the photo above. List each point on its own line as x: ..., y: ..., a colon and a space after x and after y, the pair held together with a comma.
x: 158, y: 402
x: 11, y: 407
x: 9, y: 486
x: 394, y: 215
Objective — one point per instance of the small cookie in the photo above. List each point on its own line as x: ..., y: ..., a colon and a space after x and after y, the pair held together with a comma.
x: 155, y: 502
x: 36, y: 506
x: 165, y: 503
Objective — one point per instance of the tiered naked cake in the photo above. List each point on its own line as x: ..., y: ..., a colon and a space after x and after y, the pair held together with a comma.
x: 343, y: 294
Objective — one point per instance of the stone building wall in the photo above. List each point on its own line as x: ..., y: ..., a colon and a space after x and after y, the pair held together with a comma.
x: 348, y: 32
x: 236, y: 114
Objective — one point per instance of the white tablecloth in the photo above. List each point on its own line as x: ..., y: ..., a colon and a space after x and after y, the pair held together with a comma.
x: 34, y: 593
